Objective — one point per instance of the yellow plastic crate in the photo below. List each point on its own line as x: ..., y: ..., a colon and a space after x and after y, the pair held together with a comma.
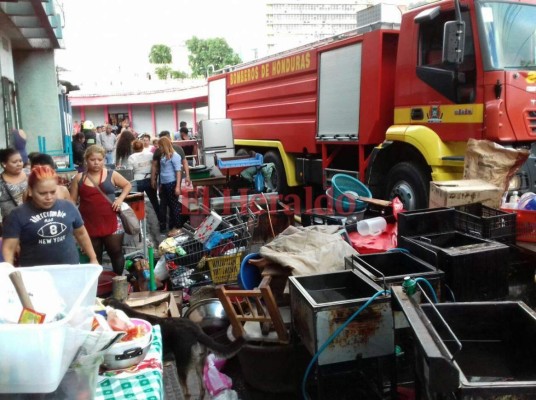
x: 224, y: 269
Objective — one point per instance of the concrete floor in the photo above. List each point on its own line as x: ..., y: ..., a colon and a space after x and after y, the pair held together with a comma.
x: 172, y: 387
x: 520, y: 289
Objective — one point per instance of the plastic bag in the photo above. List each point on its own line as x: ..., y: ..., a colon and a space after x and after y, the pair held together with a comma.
x: 160, y: 270
x: 80, y: 380
x: 226, y: 394
x: 118, y: 320
x: 214, y: 380
x: 492, y: 162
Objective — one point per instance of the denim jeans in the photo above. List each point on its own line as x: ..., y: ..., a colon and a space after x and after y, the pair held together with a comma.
x: 109, y: 157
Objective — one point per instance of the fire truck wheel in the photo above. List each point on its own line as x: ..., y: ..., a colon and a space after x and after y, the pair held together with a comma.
x: 409, y: 183
x: 279, y: 179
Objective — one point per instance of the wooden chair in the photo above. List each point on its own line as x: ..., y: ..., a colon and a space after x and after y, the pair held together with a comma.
x: 257, y: 305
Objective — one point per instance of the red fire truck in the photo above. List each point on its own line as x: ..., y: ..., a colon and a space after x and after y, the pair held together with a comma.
x: 392, y: 103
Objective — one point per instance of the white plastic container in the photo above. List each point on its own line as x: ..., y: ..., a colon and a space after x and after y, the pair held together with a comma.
x: 34, y: 358
x: 371, y: 226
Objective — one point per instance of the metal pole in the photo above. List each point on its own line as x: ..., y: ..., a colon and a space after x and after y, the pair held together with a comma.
x: 144, y: 234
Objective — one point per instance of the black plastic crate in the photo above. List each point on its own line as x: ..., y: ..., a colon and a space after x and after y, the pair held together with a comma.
x: 464, y: 351
x: 521, y: 270
x: 476, y: 269
x: 320, y: 216
x: 390, y: 268
x: 486, y: 222
x: 426, y: 221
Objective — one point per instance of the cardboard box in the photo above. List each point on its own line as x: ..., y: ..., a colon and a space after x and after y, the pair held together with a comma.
x: 460, y: 192
x: 161, y: 304
x: 207, y: 227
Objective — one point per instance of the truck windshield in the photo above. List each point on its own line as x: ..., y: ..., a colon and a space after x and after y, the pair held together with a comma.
x: 508, y: 35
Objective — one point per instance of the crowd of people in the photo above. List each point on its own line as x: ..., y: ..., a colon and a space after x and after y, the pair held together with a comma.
x: 44, y: 223
x: 154, y: 167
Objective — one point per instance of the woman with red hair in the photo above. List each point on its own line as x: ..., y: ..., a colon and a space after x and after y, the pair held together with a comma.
x: 46, y: 228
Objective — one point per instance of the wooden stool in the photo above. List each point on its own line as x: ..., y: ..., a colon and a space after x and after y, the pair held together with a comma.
x: 257, y: 305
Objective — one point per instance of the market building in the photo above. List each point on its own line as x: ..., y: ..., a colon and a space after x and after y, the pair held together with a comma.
x: 30, y: 94
x: 149, y: 110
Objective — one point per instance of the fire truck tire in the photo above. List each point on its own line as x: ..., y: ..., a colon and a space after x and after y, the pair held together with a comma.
x: 279, y: 178
x: 409, y: 182
x: 241, y: 152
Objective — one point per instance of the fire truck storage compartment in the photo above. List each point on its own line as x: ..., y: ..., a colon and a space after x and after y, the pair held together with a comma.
x: 475, y: 269
x: 488, y: 353
x: 321, y: 303
x: 339, y: 93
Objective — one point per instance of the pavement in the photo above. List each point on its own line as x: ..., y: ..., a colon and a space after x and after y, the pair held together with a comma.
x: 344, y: 386
x: 134, y: 245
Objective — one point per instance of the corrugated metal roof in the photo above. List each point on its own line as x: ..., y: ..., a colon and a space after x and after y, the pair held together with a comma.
x: 173, y: 94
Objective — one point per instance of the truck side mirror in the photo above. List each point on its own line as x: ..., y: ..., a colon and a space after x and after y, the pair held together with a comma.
x: 454, y: 42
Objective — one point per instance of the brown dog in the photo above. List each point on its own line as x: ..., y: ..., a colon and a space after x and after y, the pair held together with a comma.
x: 186, y: 341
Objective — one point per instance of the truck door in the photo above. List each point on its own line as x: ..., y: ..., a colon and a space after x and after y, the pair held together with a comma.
x: 455, y: 82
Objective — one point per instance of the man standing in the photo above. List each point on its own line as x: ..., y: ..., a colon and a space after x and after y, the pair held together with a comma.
x: 79, y: 148
x: 189, y: 149
x: 177, y: 135
x: 107, y: 140
x: 147, y: 146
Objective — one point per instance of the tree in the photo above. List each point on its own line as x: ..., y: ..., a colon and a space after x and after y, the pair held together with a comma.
x: 179, y: 74
x: 160, y: 54
x: 205, y: 52
x: 163, y: 72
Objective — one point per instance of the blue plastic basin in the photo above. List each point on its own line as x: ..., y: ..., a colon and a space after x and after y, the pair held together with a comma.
x: 343, y: 184
x: 249, y: 276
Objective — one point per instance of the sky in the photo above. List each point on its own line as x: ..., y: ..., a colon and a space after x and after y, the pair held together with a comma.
x: 101, y: 35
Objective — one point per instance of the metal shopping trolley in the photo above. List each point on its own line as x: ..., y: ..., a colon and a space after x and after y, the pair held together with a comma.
x: 136, y: 200
x: 191, y: 262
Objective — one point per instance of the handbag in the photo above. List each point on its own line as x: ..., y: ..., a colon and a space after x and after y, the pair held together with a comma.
x: 129, y: 220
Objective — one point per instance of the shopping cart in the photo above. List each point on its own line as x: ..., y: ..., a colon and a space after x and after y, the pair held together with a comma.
x: 217, y: 261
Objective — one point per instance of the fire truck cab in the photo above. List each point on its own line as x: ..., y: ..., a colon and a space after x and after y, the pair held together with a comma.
x: 393, y: 102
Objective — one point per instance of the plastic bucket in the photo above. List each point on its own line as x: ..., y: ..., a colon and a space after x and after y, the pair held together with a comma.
x: 249, y: 276
x: 104, y: 287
